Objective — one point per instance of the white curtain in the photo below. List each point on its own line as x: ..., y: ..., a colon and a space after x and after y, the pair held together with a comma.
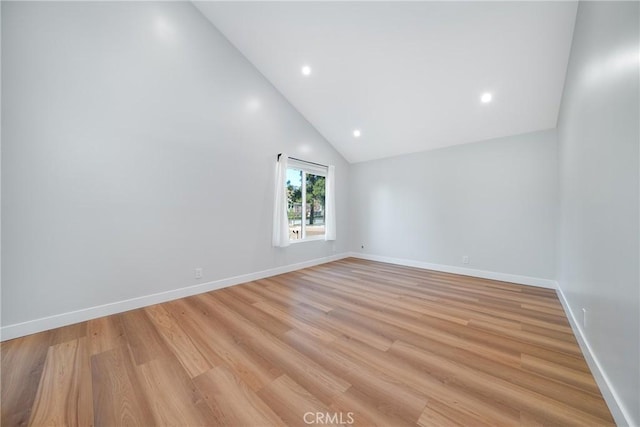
x: 330, y: 204
x: 280, y: 221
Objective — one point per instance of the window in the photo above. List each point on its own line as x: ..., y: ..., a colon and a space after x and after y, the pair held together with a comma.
x: 306, y: 187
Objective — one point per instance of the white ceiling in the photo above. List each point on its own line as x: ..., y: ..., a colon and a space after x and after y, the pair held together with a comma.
x: 409, y: 75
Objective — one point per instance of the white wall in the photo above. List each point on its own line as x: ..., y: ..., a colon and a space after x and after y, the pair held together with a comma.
x: 598, y: 133
x: 138, y: 144
x: 131, y: 131
x: 494, y: 201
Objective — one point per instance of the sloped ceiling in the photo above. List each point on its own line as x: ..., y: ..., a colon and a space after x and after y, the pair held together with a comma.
x: 408, y: 75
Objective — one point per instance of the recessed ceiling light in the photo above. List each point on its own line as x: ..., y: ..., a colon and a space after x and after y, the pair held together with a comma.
x: 306, y: 70
x: 357, y: 133
x: 486, y: 97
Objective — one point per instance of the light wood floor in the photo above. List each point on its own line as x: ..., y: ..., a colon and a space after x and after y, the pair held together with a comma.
x: 373, y: 342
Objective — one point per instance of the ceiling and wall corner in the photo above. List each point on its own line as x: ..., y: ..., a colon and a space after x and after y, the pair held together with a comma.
x: 408, y: 76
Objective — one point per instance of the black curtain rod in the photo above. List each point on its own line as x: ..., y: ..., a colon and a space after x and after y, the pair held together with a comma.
x: 304, y: 161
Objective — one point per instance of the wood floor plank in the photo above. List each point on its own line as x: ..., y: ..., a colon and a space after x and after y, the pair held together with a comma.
x: 178, y: 341
x: 503, y: 391
x: 299, y: 368
x: 70, y: 333
x: 504, y: 349
x: 118, y: 397
x: 429, y: 387
x: 562, y: 392
x: 291, y: 402
x: 501, y: 314
x: 384, y: 344
x: 529, y: 337
x: 142, y: 336
x: 251, y: 366
x: 549, y: 332
x: 173, y: 398
x: 295, y: 322
x: 22, y: 364
x: 399, y: 399
x: 271, y: 324
x: 64, y: 396
x: 290, y: 295
x: 105, y: 333
x: 366, y: 411
x: 332, y: 326
x: 430, y: 417
x: 237, y: 405
x: 426, y: 328
x: 373, y: 389
x: 561, y: 373
x: 200, y: 332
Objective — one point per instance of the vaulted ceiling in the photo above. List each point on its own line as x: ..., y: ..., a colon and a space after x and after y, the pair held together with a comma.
x: 408, y: 75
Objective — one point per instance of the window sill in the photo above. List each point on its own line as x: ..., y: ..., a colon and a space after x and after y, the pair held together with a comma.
x: 309, y: 239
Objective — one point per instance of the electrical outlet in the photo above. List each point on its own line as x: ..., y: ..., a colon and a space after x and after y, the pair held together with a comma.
x: 198, y: 273
x: 584, y: 319
x: 465, y: 259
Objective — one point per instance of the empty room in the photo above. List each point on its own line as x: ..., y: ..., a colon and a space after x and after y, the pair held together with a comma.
x: 311, y: 213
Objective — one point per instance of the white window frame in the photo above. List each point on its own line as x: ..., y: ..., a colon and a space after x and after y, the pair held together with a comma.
x: 313, y: 169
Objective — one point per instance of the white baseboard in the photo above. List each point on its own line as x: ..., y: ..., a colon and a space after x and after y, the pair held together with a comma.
x: 45, y: 323
x: 493, y: 275
x: 620, y: 415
